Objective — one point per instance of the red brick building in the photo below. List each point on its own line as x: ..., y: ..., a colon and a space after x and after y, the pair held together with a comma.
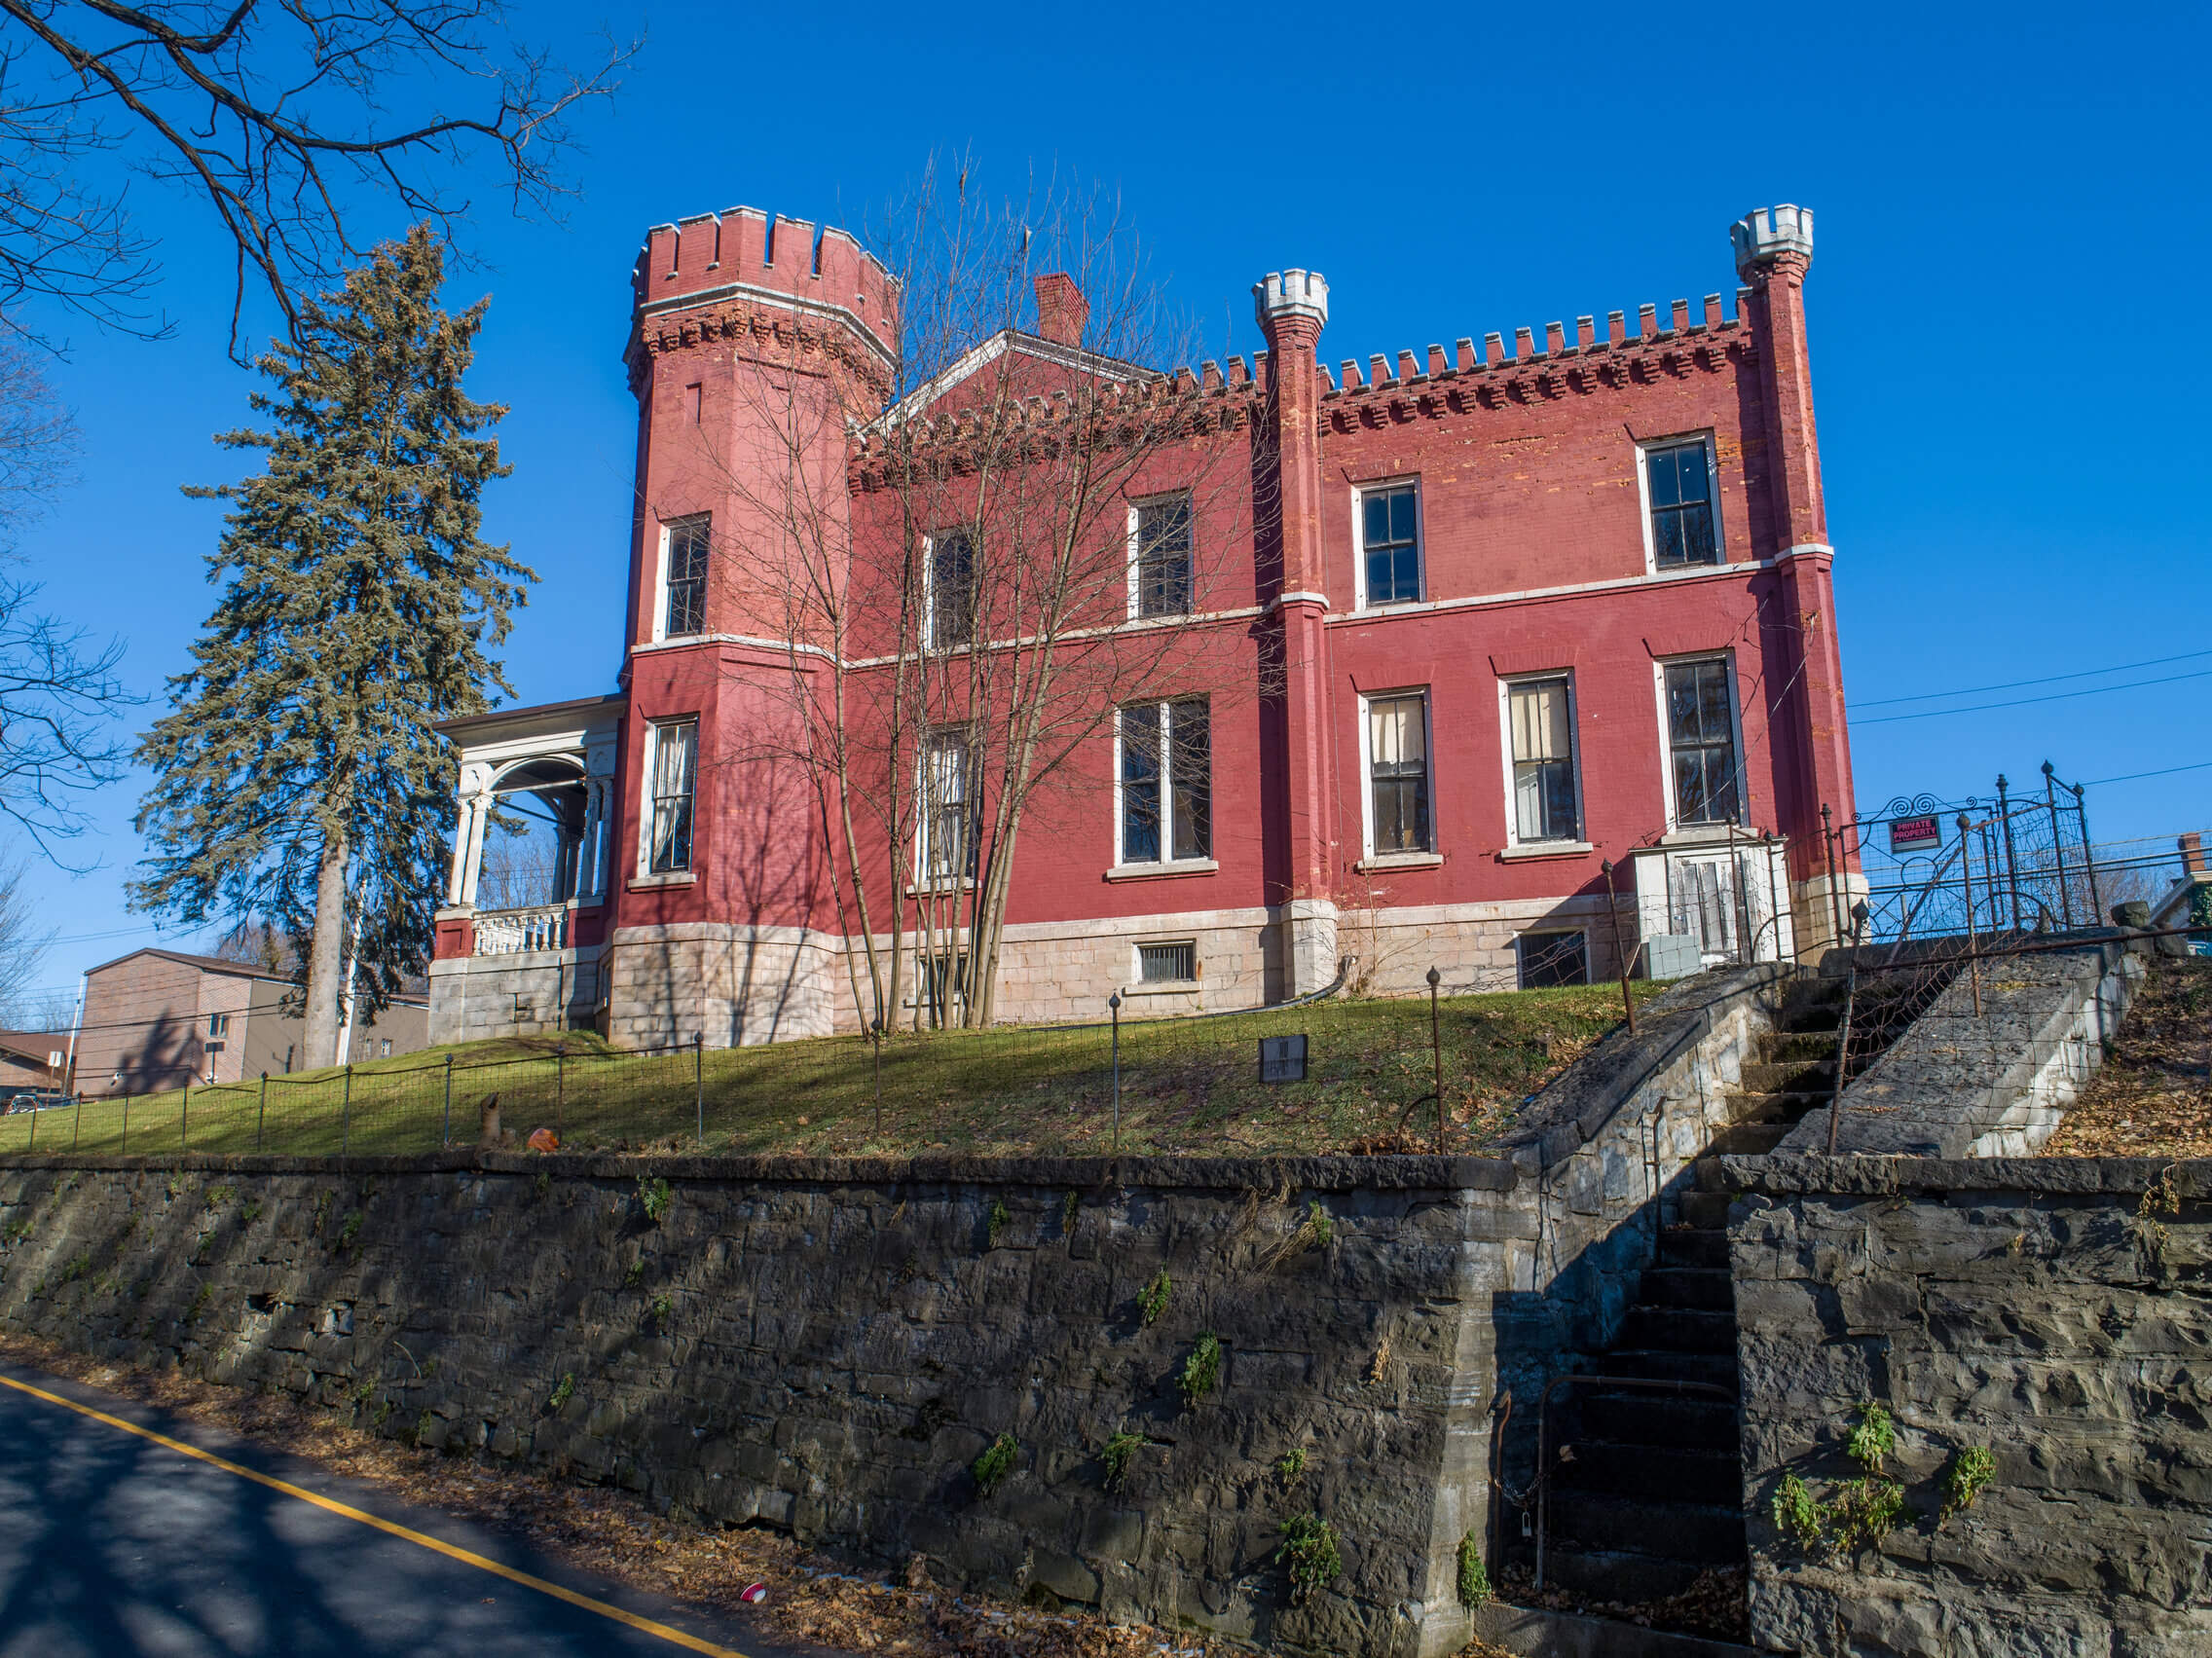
x: 1475, y: 622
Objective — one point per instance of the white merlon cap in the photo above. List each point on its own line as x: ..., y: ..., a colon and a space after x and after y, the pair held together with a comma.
x: 1292, y: 293
x: 1764, y: 232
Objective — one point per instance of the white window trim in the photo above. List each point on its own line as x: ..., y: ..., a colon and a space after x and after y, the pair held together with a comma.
x: 645, y: 872
x: 1578, y: 841
x: 1644, y: 447
x: 1550, y: 932
x: 1369, y: 859
x: 1360, y: 492
x: 1659, y: 667
x: 918, y: 882
x: 1166, y: 863
x: 668, y: 528
x: 1191, y: 553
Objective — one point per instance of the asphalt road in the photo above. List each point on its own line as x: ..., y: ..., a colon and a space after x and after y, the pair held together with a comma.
x: 115, y: 1546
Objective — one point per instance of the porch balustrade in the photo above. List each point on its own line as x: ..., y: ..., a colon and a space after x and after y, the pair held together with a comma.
x: 509, y: 931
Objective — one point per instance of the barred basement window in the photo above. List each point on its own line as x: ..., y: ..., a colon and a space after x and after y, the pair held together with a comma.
x: 1164, y: 964
x: 1551, y: 959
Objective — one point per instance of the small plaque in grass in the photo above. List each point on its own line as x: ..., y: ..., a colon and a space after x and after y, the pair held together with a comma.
x: 1282, y: 1058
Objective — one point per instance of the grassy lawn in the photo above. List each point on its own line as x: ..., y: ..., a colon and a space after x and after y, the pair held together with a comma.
x: 1188, y: 1088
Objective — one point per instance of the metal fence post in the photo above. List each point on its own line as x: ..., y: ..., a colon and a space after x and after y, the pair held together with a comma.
x: 2088, y: 858
x: 445, y: 1134
x: 33, y: 1145
x: 1436, y: 1053
x: 2057, y: 844
x: 699, y: 1080
x: 1966, y: 876
x: 184, y: 1120
x: 1843, y: 1037
x: 1113, y: 1008
x: 1614, y: 909
x: 346, y: 1115
x: 875, y: 1040
x: 560, y: 1089
x: 261, y: 1117
x: 2012, y: 865
x: 1828, y: 852
x: 125, y: 1121
x: 77, y: 1129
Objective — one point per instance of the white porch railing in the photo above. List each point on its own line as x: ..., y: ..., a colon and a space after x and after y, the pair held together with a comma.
x: 509, y: 932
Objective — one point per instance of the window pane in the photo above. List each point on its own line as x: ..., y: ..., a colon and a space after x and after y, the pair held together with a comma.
x: 1191, y: 783
x: 1558, y: 800
x: 1696, y: 535
x: 1713, y: 701
x: 1141, y: 784
x: 1681, y: 702
x: 1378, y: 527
x: 1659, y: 470
x: 1406, y: 582
x: 1690, y: 460
x: 1667, y: 539
x: 1401, y: 515
x: 1378, y: 587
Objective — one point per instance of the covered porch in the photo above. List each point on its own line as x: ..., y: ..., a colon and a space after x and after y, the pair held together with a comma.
x: 521, y: 933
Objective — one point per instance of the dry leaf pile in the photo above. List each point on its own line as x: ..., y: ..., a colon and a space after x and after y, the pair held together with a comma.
x: 2153, y: 1095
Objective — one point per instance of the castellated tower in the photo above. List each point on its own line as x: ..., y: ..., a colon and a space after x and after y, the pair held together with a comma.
x: 754, y: 345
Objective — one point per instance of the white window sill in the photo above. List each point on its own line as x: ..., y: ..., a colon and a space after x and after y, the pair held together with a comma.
x: 942, y: 889
x: 1155, y: 871
x: 1400, y: 861
x: 667, y: 878
x: 1706, y: 834
x: 1164, y: 987
x: 1547, y: 849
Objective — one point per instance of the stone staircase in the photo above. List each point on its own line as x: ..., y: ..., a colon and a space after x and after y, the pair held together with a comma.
x: 1645, y: 1497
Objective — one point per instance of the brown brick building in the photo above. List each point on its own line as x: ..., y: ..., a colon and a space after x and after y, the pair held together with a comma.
x: 156, y: 1020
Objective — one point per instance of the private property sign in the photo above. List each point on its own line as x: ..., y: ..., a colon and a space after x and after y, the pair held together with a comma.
x: 1915, y: 834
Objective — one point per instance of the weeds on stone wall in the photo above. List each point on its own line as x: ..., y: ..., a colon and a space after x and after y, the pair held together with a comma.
x: 1201, y: 1370
x: 663, y: 1305
x: 1474, y: 1576
x: 351, y: 1229
x: 1309, y: 1553
x: 1068, y: 1212
x: 1115, y: 1457
x: 1151, y: 1299
x: 634, y: 1274
x: 1290, y: 1466
x: 995, y: 1223
x: 654, y: 1198
x: 990, y: 1469
x: 2162, y: 1197
x: 1869, y: 1508
x: 563, y: 1393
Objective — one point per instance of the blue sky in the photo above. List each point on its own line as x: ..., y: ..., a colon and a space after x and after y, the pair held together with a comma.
x: 2013, y: 241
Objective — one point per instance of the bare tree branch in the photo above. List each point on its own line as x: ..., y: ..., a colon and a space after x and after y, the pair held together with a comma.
x: 288, y: 118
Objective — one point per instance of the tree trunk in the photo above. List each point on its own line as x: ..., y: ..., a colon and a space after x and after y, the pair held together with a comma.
x: 326, y: 960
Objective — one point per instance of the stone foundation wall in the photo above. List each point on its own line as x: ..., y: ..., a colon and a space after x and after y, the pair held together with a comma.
x: 2050, y: 1312
x: 736, y: 985
x: 475, y: 998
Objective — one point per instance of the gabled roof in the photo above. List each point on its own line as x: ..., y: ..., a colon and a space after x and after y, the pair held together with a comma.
x: 34, y: 1044
x: 208, y: 964
x: 1005, y: 341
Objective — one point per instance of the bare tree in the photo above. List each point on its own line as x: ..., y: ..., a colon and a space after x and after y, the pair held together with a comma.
x: 284, y: 117
x: 60, y: 690
x: 23, y: 946
x: 957, y: 598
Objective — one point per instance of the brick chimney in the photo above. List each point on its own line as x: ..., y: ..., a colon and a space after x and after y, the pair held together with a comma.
x: 1062, y: 313
x: 2192, y: 854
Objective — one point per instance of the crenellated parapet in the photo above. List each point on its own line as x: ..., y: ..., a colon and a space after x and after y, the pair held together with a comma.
x: 1767, y: 238
x: 743, y: 276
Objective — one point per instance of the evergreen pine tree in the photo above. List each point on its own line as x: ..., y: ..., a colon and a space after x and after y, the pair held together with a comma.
x: 297, y: 778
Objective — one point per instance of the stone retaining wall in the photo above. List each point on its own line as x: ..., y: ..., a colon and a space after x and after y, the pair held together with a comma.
x: 2050, y: 1311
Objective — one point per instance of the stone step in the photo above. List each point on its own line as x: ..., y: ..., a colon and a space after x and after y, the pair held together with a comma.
x: 1677, y: 1329
x: 1535, y: 1632
x: 1796, y: 1076
x: 1702, y: 1208
x: 1671, y: 1364
x: 1784, y: 1046
x: 1693, y: 1246
x: 1688, y: 1421
x: 1750, y: 1139
x: 1707, y: 1289
x: 1699, y: 1534
x: 1655, y: 1471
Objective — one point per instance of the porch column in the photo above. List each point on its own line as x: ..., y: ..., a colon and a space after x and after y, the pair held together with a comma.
x: 598, y: 815
x: 469, y: 833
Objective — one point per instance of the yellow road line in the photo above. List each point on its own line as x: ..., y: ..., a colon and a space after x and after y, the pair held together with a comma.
x: 675, y: 1636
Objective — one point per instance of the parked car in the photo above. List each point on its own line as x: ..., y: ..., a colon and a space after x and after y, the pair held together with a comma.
x: 42, y: 1100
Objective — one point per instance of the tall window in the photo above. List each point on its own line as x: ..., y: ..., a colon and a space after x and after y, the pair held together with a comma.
x: 1541, y: 713
x: 1160, y: 557
x: 952, y: 588
x: 948, y: 808
x: 1166, y: 783
x: 1701, y: 741
x: 1389, y: 542
x: 1680, y: 480
x: 1397, y: 771
x: 687, y: 607
x: 672, y: 758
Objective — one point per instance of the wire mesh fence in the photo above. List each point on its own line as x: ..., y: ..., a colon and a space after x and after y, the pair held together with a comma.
x: 1132, y: 1083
